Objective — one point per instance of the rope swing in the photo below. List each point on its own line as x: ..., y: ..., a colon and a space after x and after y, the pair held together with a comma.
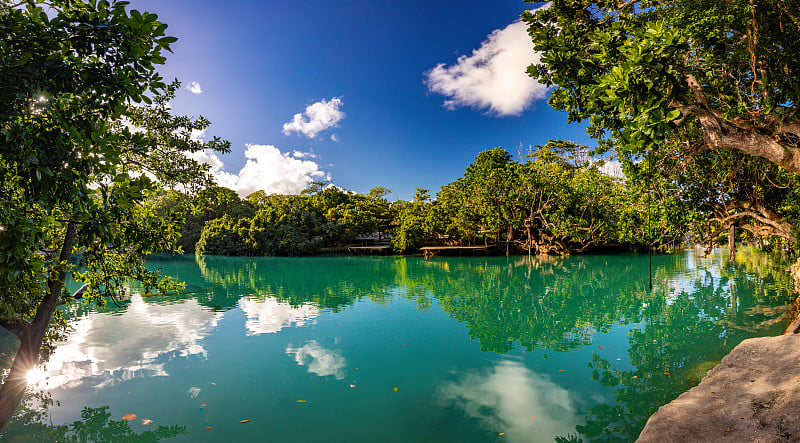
x: 649, y: 216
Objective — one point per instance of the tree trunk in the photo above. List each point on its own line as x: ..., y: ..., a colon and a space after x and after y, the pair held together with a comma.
x: 529, y: 240
x: 32, y: 336
x: 732, y: 242
x: 509, y: 238
x: 760, y: 141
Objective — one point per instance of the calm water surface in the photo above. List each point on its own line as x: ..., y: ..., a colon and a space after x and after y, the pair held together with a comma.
x: 401, y: 349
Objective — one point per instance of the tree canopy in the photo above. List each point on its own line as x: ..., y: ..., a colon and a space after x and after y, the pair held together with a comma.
x: 710, y: 74
x: 85, y: 134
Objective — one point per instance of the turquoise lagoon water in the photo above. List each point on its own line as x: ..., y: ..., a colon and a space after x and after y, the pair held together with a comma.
x: 401, y: 349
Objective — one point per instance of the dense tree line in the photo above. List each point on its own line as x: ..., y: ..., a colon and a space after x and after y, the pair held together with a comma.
x: 218, y: 222
x: 557, y: 200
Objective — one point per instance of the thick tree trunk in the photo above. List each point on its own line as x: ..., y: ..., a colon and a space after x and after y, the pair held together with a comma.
x: 32, y: 336
x: 763, y: 140
x: 725, y: 135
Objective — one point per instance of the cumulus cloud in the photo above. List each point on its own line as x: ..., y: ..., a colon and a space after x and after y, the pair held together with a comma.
x: 317, y: 118
x: 334, y: 138
x: 319, y: 360
x: 612, y: 168
x: 493, y: 77
x: 194, y: 88
x: 267, y: 169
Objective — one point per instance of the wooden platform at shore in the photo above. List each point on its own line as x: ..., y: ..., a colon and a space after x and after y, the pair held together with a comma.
x: 376, y: 248
x: 430, y: 251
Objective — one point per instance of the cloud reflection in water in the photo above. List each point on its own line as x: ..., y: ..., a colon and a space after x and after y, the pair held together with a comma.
x: 107, y: 348
x: 506, y: 397
x: 320, y: 361
x: 268, y: 315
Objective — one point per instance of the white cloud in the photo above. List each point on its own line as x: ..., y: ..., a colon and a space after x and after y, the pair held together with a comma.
x: 505, y: 398
x: 194, y: 88
x: 301, y: 154
x: 319, y: 360
x: 334, y: 138
x: 317, y: 118
x: 493, y: 77
x: 612, y: 168
x: 267, y: 169
x: 198, y: 135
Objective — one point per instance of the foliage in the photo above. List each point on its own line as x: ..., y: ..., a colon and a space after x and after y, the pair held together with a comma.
x: 225, y: 236
x: 77, y: 155
x: 714, y: 74
x: 556, y: 201
x: 322, y: 216
x: 707, y: 90
x: 194, y: 210
x: 410, y: 225
x: 729, y: 189
x: 69, y: 156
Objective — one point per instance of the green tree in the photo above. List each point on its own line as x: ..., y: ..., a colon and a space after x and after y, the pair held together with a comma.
x: 727, y: 190
x: 410, y: 228
x: 226, y: 236
x: 711, y: 74
x: 71, y: 168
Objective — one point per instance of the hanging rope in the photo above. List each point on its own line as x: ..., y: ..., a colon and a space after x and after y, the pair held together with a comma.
x: 649, y: 216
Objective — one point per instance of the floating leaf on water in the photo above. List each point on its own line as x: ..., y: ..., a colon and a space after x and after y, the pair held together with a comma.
x: 208, y: 427
x: 502, y: 433
x: 203, y: 405
x: 146, y: 422
x: 301, y: 401
x: 352, y: 386
x: 666, y: 373
x: 533, y: 416
x: 395, y: 389
x: 601, y: 347
x: 213, y: 383
x: 635, y: 377
x: 244, y: 421
x: 129, y: 417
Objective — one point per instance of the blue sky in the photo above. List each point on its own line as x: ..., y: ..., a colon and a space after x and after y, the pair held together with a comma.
x: 380, y: 111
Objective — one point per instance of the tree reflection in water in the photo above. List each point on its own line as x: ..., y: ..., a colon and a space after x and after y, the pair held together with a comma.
x: 699, y: 310
x: 30, y: 423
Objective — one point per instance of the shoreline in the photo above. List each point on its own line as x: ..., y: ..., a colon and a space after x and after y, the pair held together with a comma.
x: 752, y: 395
